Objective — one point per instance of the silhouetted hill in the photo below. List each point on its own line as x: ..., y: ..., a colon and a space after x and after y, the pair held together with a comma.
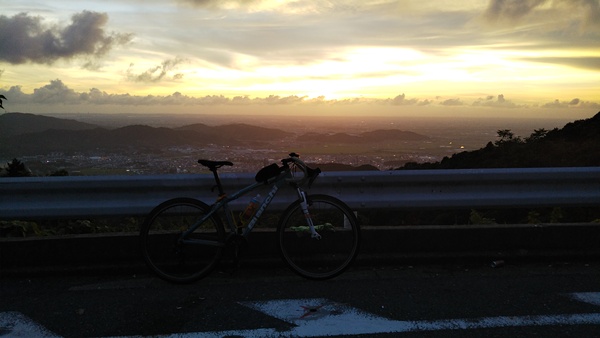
x: 145, y: 136
x: 577, y: 144
x: 12, y: 124
x: 130, y: 138
x: 28, y: 134
x: 392, y: 134
x: 51, y: 140
x: 384, y: 135
x: 237, y: 131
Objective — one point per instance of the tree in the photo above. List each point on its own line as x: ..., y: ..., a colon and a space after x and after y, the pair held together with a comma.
x: 507, y: 136
x: 2, y: 97
x: 537, y: 135
x: 16, y: 168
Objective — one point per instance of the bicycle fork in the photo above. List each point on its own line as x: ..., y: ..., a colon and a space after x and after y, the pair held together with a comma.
x: 304, y: 207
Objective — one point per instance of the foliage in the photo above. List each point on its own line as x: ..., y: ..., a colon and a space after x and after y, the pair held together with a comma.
x: 525, y: 215
x: 577, y: 144
x: 507, y: 136
x: 556, y: 215
x: 16, y: 168
x: 19, y: 229
x: 59, y: 227
x: 477, y: 218
x: 533, y: 217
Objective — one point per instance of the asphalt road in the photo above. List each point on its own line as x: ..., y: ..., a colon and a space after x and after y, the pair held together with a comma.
x: 545, y: 299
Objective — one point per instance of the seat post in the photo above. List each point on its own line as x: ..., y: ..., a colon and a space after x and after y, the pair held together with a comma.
x: 218, y: 181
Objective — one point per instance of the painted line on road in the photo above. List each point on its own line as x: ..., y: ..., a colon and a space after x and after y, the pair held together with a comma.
x: 322, y: 317
x: 587, y: 297
x: 16, y: 324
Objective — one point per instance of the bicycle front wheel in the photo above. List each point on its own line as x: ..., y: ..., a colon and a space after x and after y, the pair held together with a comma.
x: 174, y: 257
x: 328, y: 256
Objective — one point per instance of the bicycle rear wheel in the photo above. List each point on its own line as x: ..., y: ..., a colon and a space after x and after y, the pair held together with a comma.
x: 319, y: 258
x: 178, y: 259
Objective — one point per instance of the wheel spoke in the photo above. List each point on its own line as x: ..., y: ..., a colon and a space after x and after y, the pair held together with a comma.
x: 321, y: 258
x: 176, y: 259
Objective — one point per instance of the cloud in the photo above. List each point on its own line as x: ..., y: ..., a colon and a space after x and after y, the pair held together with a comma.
x: 510, y: 10
x: 24, y: 38
x: 579, y: 14
x: 452, y: 102
x: 56, y: 92
x: 591, y: 62
x: 157, y: 73
x: 590, y: 10
x: 577, y: 103
x: 499, y: 102
x: 401, y: 100
x: 221, y: 4
x: 574, y: 103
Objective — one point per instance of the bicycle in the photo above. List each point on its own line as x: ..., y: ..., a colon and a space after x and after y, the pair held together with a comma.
x: 183, y: 239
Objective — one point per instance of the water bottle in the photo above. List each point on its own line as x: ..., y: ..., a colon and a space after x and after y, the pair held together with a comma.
x: 247, y: 214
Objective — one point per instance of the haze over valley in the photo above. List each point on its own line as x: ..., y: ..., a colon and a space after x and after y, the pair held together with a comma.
x: 100, y: 144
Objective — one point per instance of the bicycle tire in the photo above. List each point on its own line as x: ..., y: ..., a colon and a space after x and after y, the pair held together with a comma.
x: 323, y: 258
x: 164, y: 252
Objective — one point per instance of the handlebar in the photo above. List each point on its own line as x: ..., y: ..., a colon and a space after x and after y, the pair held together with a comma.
x: 308, y: 174
x: 291, y: 165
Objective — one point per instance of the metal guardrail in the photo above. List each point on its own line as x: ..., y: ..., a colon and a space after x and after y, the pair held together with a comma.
x: 92, y: 196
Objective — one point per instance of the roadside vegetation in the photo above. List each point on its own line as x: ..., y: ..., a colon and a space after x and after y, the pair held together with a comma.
x: 577, y: 144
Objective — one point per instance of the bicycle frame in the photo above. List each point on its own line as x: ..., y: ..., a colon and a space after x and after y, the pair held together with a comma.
x: 223, y: 203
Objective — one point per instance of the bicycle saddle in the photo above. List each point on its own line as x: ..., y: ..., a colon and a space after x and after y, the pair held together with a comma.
x: 213, y: 165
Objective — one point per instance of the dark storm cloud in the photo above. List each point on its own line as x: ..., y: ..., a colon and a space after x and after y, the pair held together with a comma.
x: 24, y: 38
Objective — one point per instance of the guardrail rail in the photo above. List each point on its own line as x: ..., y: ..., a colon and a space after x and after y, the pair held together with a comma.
x: 91, y: 196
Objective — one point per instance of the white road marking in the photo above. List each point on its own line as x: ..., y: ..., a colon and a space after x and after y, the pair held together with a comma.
x: 588, y: 297
x: 322, y: 317
x: 16, y: 324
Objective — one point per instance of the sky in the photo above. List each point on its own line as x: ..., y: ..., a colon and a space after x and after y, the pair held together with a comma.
x: 362, y: 57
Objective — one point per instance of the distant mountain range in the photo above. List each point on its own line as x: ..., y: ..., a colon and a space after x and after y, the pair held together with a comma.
x: 577, y: 144
x: 28, y: 134
x: 12, y: 124
x: 369, y: 137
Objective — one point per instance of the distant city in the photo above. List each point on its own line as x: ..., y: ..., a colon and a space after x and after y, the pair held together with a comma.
x: 344, y: 143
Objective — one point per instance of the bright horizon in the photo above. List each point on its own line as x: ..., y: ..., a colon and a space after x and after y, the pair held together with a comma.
x: 536, y: 58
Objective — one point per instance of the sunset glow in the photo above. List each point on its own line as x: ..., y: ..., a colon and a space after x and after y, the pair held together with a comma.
x: 72, y: 55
